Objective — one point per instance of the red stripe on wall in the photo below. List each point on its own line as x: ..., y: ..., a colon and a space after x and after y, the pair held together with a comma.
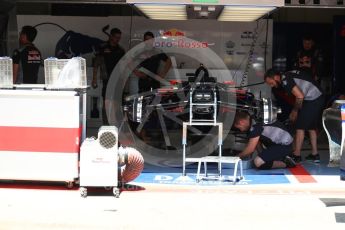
x: 37, y: 139
x: 302, y: 175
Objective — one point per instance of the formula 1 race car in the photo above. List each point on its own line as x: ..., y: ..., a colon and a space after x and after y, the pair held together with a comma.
x: 157, y: 115
x: 202, y: 98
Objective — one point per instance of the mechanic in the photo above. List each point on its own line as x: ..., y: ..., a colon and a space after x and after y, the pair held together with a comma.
x: 27, y: 59
x: 273, y: 141
x: 106, y: 58
x: 153, y: 67
x: 307, y: 109
x: 310, y: 57
x: 149, y: 68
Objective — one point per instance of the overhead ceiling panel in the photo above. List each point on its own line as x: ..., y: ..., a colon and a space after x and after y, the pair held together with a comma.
x: 75, y: 1
x: 224, y: 10
x: 276, y: 3
x: 315, y: 3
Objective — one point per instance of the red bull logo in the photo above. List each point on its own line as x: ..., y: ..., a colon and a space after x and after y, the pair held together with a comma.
x: 180, y: 42
x: 173, y: 33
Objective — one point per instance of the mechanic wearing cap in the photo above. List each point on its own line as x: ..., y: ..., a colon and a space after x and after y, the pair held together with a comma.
x: 274, y: 141
x: 307, y: 108
x: 26, y: 59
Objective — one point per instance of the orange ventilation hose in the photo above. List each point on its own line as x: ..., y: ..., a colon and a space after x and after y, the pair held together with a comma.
x: 134, y: 164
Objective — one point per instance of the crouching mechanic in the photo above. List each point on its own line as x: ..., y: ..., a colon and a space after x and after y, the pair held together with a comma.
x: 273, y: 139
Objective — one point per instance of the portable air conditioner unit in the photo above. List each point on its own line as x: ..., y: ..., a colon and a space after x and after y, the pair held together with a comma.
x: 99, y: 161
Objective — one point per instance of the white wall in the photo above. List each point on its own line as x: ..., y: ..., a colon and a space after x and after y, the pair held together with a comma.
x: 230, y: 41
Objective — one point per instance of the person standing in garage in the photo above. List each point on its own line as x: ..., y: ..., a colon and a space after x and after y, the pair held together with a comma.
x: 152, y: 59
x: 148, y: 75
x: 27, y: 59
x: 307, y: 109
x: 311, y: 58
x: 106, y: 58
x: 273, y: 141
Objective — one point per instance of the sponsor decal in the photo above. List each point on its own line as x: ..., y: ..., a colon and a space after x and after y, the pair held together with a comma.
x: 246, y: 44
x: 173, y: 33
x: 34, y: 56
x: 180, y: 43
x: 230, y: 44
x: 177, y: 40
x: 264, y: 45
x: 241, y: 53
x: 247, y: 35
x: 230, y: 52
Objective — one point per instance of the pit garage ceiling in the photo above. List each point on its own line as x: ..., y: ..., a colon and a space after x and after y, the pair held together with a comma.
x: 276, y: 3
x: 223, y: 10
x: 75, y: 1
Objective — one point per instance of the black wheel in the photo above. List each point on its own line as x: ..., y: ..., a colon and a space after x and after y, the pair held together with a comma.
x: 83, y: 192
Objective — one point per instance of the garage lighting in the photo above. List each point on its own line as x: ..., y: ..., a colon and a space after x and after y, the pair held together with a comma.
x: 163, y: 12
x: 211, y: 8
x: 197, y: 8
x: 242, y: 13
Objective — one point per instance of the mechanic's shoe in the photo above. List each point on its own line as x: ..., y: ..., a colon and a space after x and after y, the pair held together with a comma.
x: 290, y: 163
x: 295, y: 158
x: 315, y: 158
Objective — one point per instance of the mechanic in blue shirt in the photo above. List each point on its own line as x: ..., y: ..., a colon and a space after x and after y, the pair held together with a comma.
x: 273, y: 141
x: 307, y: 109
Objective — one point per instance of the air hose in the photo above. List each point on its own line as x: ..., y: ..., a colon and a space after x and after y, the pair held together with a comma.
x: 132, y: 164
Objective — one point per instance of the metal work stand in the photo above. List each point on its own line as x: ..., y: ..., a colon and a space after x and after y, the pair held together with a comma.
x: 184, y: 142
x: 221, y: 160
x: 216, y: 159
x: 211, y: 159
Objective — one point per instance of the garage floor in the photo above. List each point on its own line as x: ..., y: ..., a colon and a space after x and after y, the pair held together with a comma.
x: 311, y: 196
x: 306, y: 172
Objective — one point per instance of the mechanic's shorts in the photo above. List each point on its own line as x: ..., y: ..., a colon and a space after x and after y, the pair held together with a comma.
x: 275, y: 153
x: 309, y: 115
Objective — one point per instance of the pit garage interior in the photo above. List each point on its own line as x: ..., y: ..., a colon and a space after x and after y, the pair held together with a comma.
x: 235, y: 47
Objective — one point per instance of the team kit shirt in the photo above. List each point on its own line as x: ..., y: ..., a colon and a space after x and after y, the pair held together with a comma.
x: 271, y: 134
x: 304, y: 81
x: 111, y: 56
x: 309, y: 114
x: 151, y: 63
x: 29, y: 59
